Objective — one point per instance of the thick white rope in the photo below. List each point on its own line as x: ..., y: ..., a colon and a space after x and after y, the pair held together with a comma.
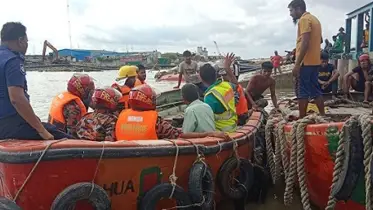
x: 290, y: 179
x: 338, y: 166
x: 34, y: 168
x: 278, y: 166
x: 301, y: 172
x: 269, y: 147
x: 283, y: 145
x: 366, y: 128
x: 173, y: 178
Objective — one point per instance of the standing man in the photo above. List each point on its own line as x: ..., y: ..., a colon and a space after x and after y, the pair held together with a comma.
x: 327, y: 46
x: 276, y: 61
x: 308, y: 60
x: 189, y: 69
x: 17, y: 118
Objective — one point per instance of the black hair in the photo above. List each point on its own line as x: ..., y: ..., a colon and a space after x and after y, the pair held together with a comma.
x: 187, y: 53
x: 12, y: 31
x: 298, y: 4
x: 208, y: 73
x: 324, y: 56
x: 267, y: 65
x: 190, y: 92
x: 141, y: 67
x: 334, y: 37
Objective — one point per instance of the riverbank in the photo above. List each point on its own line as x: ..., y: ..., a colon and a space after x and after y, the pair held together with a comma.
x: 72, y: 67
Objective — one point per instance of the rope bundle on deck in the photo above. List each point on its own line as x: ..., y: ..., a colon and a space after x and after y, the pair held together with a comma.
x: 294, y: 168
x: 365, y: 124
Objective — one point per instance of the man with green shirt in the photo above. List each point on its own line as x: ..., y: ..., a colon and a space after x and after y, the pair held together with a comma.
x: 337, y: 45
x: 198, y: 116
x: 220, y: 96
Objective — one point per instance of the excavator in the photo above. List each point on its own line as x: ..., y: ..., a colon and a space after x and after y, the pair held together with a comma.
x: 48, y: 44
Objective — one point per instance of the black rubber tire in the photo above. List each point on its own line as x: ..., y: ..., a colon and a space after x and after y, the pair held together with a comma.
x: 246, y: 177
x: 67, y: 199
x: 353, y: 166
x: 201, y: 185
x: 151, y: 198
x: 7, y: 204
x: 259, y: 190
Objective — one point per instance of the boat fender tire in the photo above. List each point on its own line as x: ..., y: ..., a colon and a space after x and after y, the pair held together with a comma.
x: 352, y: 164
x: 7, y: 204
x: 246, y: 178
x: 96, y: 196
x: 164, y: 190
x: 201, y: 185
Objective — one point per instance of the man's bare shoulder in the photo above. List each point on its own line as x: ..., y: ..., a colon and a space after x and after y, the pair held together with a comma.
x: 256, y: 77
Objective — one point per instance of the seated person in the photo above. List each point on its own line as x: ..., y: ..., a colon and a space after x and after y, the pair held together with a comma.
x: 127, y: 79
x: 17, y: 117
x: 141, y: 75
x: 68, y: 107
x: 198, y: 116
x: 328, y: 76
x: 359, y: 78
x: 141, y: 120
x: 258, y: 84
x: 220, y: 97
x: 99, y: 125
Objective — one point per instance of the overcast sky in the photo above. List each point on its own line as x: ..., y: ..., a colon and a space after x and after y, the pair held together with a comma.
x: 250, y: 28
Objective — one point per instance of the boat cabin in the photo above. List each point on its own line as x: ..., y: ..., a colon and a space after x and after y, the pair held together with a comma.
x: 359, y: 38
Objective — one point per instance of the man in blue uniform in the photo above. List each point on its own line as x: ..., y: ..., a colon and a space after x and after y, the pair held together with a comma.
x: 17, y: 118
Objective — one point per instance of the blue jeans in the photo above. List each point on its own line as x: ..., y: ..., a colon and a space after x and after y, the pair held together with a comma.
x: 15, y: 127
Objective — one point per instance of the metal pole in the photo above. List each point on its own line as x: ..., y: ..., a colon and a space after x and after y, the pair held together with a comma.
x: 69, y: 23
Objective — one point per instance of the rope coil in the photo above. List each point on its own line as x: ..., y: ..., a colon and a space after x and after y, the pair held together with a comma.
x: 269, y: 146
x: 290, y: 179
x: 364, y: 122
x: 283, y: 145
x: 340, y: 156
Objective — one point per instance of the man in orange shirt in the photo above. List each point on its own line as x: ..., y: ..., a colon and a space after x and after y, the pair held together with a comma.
x: 307, y: 57
x: 141, y: 75
x: 276, y: 62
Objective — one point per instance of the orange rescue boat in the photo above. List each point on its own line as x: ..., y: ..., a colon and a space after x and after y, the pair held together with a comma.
x: 323, y: 156
x: 61, y: 174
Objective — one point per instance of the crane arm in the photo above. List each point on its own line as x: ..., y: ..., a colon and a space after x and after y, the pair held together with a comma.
x: 217, y: 48
x: 47, y: 44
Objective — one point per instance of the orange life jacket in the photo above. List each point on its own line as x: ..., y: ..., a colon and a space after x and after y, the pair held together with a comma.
x: 125, y: 90
x: 139, y: 82
x: 56, y: 116
x: 136, y: 125
x: 241, y: 106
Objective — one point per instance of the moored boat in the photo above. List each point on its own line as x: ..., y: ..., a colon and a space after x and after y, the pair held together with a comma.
x: 323, y: 156
x: 126, y: 174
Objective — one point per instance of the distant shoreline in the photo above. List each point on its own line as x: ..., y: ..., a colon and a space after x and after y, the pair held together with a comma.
x: 74, y: 68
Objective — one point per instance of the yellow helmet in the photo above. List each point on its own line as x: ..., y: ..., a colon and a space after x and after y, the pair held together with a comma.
x: 126, y: 71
